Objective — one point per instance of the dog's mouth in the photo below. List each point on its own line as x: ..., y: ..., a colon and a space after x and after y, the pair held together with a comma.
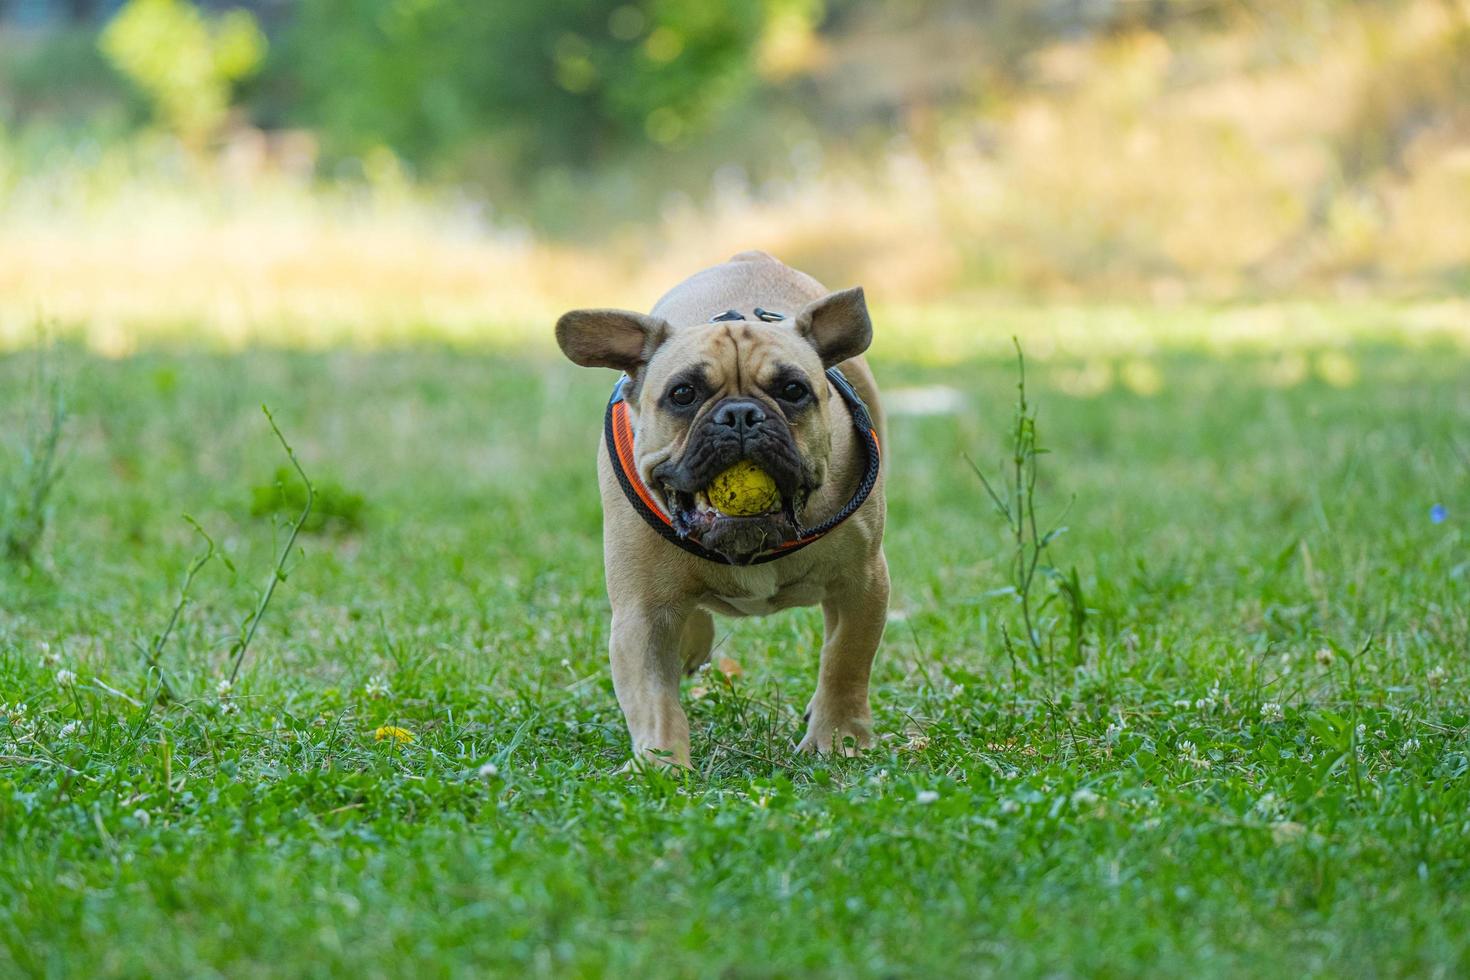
x: 736, y: 496
x: 739, y: 537
x: 693, y: 512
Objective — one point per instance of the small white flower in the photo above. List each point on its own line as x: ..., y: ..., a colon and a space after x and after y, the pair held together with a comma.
x: 1324, y: 657
x: 1192, y: 756
x: 70, y: 728
x: 1362, y: 730
x: 1182, y: 703
x: 228, y: 707
x: 1009, y: 806
x: 1410, y: 746
x: 376, y: 687
x: 1272, y: 711
x: 1269, y: 807
x: 143, y: 817
x: 566, y: 663
x: 926, y: 796
x: 49, y: 658
x: 1436, y: 675
x: 1084, y: 797
x: 1204, y: 704
x: 65, y: 678
x: 489, y: 771
x: 222, y: 688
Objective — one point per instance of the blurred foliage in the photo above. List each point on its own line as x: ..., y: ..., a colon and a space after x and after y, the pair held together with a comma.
x: 184, y: 63
x: 557, y: 82
x: 284, y: 497
x: 489, y: 160
x: 56, y: 77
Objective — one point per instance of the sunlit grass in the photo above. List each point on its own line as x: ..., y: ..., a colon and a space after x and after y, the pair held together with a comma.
x: 1258, y: 763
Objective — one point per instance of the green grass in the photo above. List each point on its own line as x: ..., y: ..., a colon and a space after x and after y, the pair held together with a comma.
x: 1225, y: 530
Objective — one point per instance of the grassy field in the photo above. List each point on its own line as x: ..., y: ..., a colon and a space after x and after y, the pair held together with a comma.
x: 1257, y: 763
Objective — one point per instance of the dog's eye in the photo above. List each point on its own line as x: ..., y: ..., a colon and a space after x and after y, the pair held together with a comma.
x: 682, y: 394
x: 793, y: 391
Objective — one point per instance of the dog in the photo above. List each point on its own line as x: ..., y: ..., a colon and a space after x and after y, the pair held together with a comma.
x: 735, y: 364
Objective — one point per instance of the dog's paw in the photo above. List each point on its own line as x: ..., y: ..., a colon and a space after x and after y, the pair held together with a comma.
x: 656, y: 760
x: 849, y: 736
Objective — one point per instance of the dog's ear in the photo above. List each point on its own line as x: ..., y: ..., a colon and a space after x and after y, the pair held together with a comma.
x: 618, y: 339
x: 837, y: 325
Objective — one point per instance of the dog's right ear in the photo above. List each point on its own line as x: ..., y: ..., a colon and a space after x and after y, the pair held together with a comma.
x: 618, y: 339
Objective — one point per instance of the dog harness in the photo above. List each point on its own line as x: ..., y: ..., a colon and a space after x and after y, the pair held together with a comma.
x: 619, y: 433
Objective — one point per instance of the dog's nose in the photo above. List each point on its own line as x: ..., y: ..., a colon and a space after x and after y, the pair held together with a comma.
x: 739, y: 414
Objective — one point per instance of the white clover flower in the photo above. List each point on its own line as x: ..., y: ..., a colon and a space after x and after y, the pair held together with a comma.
x: 223, y: 686
x: 1324, y: 657
x: 65, y: 678
x: 69, y: 729
x: 228, y: 708
x: 926, y: 796
x: 143, y: 817
x: 1192, y: 756
x: 17, y: 724
x: 1183, y: 703
x: 1269, y: 807
x: 1084, y: 797
x: 1436, y: 675
x: 1410, y: 746
x: 376, y: 687
x: 1009, y: 806
x: 565, y: 662
x: 1204, y: 704
x: 489, y: 771
x: 49, y: 658
x: 1272, y: 711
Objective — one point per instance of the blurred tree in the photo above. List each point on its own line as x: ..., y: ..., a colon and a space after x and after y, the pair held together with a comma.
x: 183, y: 63
x: 560, y: 82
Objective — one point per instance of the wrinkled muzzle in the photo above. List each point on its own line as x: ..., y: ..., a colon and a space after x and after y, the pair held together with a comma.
x: 733, y: 430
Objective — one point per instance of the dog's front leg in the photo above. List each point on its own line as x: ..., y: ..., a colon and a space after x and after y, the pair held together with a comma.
x: 839, y: 715
x: 646, y: 665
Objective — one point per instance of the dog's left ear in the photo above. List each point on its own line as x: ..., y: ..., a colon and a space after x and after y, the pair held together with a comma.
x: 618, y: 339
x: 837, y: 325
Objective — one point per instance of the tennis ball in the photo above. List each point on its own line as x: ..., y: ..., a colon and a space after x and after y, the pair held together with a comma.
x: 744, y: 490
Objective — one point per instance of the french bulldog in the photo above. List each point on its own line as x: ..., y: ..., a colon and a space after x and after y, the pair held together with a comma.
x: 733, y: 365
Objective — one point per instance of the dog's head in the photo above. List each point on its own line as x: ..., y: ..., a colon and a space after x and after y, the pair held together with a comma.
x: 704, y: 396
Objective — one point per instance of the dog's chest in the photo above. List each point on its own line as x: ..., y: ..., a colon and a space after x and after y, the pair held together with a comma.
x: 760, y: 589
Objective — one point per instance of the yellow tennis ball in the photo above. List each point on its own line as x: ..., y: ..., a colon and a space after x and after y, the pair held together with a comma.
x: 744, y: 490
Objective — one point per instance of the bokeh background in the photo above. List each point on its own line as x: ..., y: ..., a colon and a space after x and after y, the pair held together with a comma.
x: 321, y: 172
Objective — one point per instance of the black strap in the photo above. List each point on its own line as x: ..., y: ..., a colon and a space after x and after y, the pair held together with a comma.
x: 861, y: 421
